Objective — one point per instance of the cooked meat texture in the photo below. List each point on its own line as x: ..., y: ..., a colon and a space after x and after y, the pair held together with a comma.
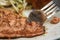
x: 55, y: 20
x: 13, y: 25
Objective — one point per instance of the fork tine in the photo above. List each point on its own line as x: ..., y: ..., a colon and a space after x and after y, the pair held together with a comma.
x: 51, y: 7
x: 52, y: 10
x: 49, y: 4
x: 50, y: 13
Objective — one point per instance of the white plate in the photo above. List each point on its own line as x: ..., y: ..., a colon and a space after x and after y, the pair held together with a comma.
x: 52, y: 31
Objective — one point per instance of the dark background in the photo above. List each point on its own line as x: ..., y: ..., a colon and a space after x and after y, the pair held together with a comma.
x: 38, y: 4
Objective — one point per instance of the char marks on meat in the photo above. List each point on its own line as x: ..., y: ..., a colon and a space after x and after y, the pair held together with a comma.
x: 13, y: 25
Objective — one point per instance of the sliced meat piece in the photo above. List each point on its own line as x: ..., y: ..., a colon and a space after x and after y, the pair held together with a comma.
x: 13, y: 25
x: 34, y: 30
x: 55, y: 20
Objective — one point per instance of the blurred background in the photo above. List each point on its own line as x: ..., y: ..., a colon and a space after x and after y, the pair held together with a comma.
x: 38, y: 4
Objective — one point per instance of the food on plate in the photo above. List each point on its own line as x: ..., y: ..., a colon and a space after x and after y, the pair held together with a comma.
x: 14, y: 25
x: 20, y: 4
x: 12, y: 22
x: 55, y: 20
x: 17, y: 5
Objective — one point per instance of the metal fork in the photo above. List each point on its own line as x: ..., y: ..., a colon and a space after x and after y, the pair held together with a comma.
x: 46, y: 12
x: 49, y: 9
